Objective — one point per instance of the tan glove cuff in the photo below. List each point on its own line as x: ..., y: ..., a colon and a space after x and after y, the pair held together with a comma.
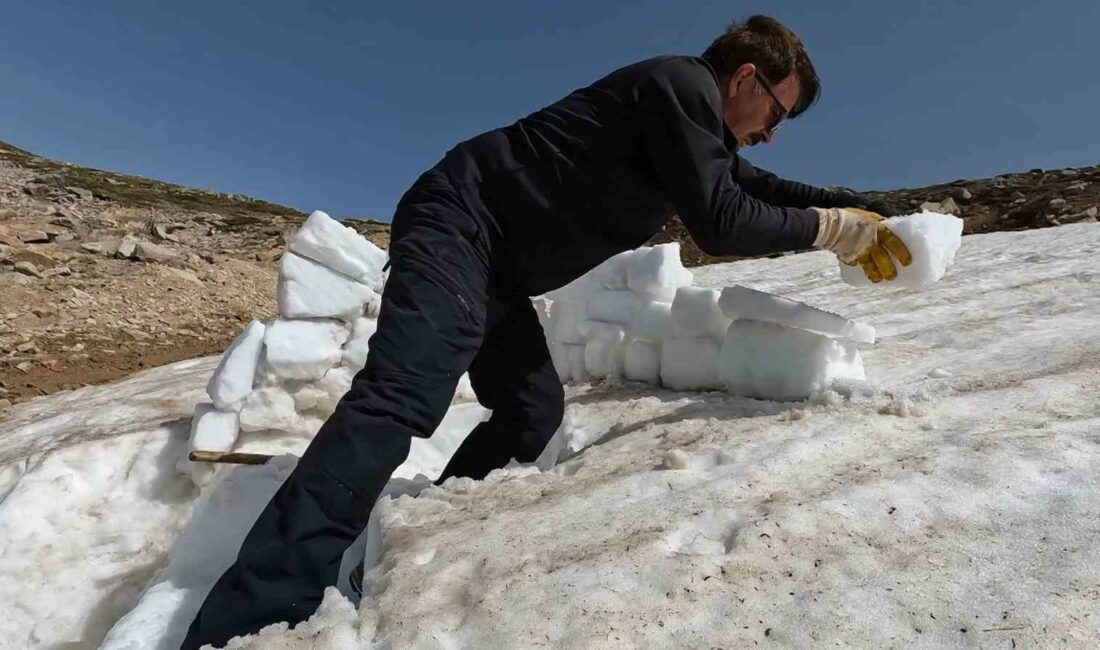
x: 845, y: 233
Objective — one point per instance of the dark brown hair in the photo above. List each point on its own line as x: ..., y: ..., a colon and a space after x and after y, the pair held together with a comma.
x: 774, y: 49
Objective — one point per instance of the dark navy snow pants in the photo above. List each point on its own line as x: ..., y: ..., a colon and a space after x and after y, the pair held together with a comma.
x: 442, y: 314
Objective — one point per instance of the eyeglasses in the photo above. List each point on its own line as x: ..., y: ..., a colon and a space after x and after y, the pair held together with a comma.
x: 777, y: 118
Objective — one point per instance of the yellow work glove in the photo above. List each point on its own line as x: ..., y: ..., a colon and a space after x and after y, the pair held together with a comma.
x: 859, y: 238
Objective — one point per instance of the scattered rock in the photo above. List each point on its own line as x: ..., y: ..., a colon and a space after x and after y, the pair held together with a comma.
x: 36, y: 189
x: 126, y: 247
x: 85, y: 194
x: 1068, y: 172
x: 26, y: 268
x: 161, y: 231
x: 93, y: 246
x: 33, y: 237
x: 150, y: 252
x: 961, y: 194
x: 5, y: 403
x: 931, y: 206
x: 948, y: 206
x: 14, y: 280
x: 25, y: 366
x: 25, y: 347
x: 1054, y: 203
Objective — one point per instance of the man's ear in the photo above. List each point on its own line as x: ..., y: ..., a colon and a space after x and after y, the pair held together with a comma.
x: 740, y: 74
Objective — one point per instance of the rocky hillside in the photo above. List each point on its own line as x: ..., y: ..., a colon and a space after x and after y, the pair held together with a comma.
x: 104, y: 274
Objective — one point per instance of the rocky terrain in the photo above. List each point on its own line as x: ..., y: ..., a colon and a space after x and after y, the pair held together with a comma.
x: 104, y: 274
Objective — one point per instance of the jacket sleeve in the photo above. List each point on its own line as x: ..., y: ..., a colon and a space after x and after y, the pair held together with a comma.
x: 683, y: 134
x: 766, y: 186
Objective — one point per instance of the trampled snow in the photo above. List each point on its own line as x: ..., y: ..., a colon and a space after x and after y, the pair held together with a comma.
x: 951, y: 500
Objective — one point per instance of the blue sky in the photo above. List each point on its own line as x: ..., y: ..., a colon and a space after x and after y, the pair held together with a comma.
x: 340, y: 105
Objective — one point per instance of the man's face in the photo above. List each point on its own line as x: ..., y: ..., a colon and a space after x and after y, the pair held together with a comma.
x: 751, y: 113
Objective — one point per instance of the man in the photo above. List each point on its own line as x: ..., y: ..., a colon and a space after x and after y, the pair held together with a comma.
x: 513, y: 213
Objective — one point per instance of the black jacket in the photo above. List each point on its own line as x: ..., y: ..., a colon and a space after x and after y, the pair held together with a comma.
x: 602, y: 170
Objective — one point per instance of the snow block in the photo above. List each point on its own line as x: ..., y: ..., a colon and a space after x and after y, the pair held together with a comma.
x: 566, y: 317
x: 657, y: 272
x: 213, y: 430
x: 568, y: 360
x: 652, y: 321
x: 690, y: 363
x: 775, y: 362
x: 269, y: 407
x: 330, y: 243
x: 695, y: 312
x: 612, y: 306
x: 309, y: 290
x: 335, y: 384
x: 576, y: 291
x: 604, y: 351
x: 746, y: 303
x: 931, y: 237
x: 643, y: 362
x: 612, y: 272
x: 302, y: 349
x: 232, y: 381
x: 355, y: 350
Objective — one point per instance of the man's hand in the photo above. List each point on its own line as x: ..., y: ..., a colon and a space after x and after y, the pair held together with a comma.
x: 859, y: 238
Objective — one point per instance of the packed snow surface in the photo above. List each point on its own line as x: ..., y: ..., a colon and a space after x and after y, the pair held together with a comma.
x: 950, y: 500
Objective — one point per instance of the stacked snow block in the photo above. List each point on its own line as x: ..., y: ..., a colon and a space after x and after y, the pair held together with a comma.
x: 611, y: 322
x: 781, y: 349
x: 637, y: 317
x: 286, y: 375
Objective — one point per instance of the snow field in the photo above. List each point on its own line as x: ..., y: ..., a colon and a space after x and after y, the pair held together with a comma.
x: 951, y: 501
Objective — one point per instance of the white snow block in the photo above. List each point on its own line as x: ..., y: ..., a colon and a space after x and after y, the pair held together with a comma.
x: 566, y: 317
x: 576, y: 291
x: 557, y: 356
x: 776, y: 362
x: 335, y: 384
x: 652, y: 321
x: 612, y: 306
x: 542, y: 310
x: 643, y: 362
x: 326, y: 241
x: 308, y: 397
x: 690, y: 363
x: 604, y: 351
x: 574, y: 357
x: 269, y: 407
x: 695, y: 312
x: 309, y: 290
x: 232, y: 381
x: 742, y: 302
x: 355, y: 350
x: 302, y: 349
x: 213, y: 430
x: 657, y: 272
x: 931, y: 237
x: 568, y: 361
x: 612, y: 272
